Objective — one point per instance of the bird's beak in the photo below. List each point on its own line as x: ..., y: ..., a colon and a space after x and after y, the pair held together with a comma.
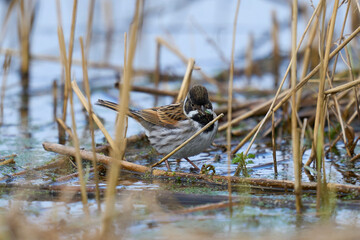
x: 202, y: 110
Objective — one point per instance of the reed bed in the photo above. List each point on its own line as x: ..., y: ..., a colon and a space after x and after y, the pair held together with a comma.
x: 318, y: 98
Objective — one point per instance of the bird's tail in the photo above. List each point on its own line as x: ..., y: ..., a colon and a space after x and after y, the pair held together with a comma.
x: 113, y: 106
x: 107, y: 104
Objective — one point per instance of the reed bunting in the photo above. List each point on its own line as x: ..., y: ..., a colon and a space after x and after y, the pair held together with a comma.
x: 169, y: 126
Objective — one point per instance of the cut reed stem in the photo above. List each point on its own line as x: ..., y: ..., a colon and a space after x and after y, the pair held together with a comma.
x: 230, y: 101
x: 186, y: 81
x: 118, y: 151
x: 6, y: 66
x: 294, y: 127
x: 91, y: 121
x: 273, y: 140
x: 78, y: 157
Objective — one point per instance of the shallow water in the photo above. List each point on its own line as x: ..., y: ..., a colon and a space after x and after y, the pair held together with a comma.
x: 180, y: 23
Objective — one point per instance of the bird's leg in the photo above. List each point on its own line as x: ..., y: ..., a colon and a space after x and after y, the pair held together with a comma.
x: 167, y: 165
x: 196, y: 167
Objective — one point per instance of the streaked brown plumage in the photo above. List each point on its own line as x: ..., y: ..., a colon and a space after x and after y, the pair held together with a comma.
x: 169, y: 126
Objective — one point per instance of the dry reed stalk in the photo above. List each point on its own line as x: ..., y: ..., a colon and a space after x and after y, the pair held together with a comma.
x: 215, y: 179
x: 91, y: 121
x: 72, y: 35
x: 274, y: 125
x: 64, y: 127
x: 307, y: 55
x: 276, y: 48
x: 230, y: 102
x: 355, y: 17
x: 238, y: 119
x: 348, y: 122
x: 321, y: 96
x: 120, y: 127
x: 65, y: 89
x: 349, y: 65
x: 84, y: 102
x: 273, y: 141
x: 26, y: 20
x: 78, y: 157
x: 187, y: 141
x: 339, y: 115
x: 246, y: 138
x: 6, y: 66
x: 289, y: 93
x: 302, y: 137
x: 54, y: 93
x: 318, y: 137
x: 253, y: 111
x: 89, y: 27
x: 317, y: 68
x: 278, y: 90
x: 184, y: 89
x: 355, y: 158
x: 67, y: 59
x: 64, y: 60
x: 294, y: 127
x: 321, y: 106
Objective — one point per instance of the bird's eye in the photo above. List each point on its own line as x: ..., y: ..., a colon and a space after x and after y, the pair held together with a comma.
x: 193, y: 105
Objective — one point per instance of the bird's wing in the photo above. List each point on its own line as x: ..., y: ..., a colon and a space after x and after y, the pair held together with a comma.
x: 166, y: 116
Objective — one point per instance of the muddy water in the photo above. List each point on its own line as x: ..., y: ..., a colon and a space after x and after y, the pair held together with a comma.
x: 29, y: 120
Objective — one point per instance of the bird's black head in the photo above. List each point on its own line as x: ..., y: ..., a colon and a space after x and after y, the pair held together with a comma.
x: 198, y: 107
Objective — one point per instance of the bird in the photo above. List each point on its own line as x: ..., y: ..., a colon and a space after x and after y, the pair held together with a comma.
x: 169, y: 126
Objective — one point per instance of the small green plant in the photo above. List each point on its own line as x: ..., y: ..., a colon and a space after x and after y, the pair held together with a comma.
x: 206, y: 168
x: 242, y: 162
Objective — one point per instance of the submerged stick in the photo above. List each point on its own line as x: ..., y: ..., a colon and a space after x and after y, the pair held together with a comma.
x: 88, y: 155
x: 187, y: 141
x: 8, y: 161
x: 216, y: 179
